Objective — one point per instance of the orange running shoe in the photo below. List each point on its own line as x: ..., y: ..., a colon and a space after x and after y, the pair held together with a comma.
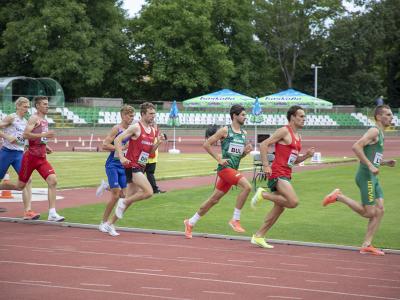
x: 235, y: 224
x: 31, y: 215
x: 331, y: 198
x: 188, y: 229
x: 371, y: 250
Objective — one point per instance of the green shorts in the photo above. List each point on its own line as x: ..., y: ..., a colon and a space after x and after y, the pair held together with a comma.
x: 272, y: 182
x: 369, y: 186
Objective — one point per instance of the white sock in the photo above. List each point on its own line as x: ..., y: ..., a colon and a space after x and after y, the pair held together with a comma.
x: 193, y: 220
x: 236, y: 214
x: 52, y: 211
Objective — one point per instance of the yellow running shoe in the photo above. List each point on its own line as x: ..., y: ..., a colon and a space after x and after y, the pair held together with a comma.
x: 257, y: 197
x: 260, y: 241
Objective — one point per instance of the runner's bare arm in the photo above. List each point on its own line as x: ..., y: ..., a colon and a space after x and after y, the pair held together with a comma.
x: 31, y: 125
x: 219, y: 135
x: 369, y: 137
x: 131, y: 131
x: 107, y: 142
x: 7, y: 121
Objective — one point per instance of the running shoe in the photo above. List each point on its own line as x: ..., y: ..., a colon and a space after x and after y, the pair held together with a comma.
x: 257, y: 197
x: 119, y: 210
x: 259, y: 241
x: 55, y: 218
x: 31, y: 215
x: 102, y: 227
x: 110, y: 229
x: 188, y: 229
x: 371, y: 250
x: 235, y: 224
x: 102, y: 187
x: 331, y: 198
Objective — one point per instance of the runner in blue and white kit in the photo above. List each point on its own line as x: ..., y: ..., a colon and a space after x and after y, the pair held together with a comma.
x: 13, y: 127
x: 114, y: 169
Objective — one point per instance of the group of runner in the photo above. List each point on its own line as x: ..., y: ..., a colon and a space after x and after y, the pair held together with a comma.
x: 131, y: 144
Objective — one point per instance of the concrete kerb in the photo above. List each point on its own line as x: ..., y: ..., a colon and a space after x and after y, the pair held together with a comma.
x: 204, y: 235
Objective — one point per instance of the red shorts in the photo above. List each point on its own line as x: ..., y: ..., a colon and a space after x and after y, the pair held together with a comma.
x: 226, y: 178
x: 30, y: 163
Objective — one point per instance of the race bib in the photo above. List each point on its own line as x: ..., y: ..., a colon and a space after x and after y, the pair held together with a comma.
x: 378, y: 158
x: 20, y: 140
x: 43, y: 140
x: 236, y: 149
x: 292, y: 160
x: 143, y: 158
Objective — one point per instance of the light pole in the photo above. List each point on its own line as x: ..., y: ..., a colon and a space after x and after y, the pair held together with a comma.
x: 315, y: 67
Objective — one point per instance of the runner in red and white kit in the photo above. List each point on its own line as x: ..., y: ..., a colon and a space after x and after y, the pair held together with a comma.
x: 287, y: 142
x: 141, y: 145
x: 37, y: 132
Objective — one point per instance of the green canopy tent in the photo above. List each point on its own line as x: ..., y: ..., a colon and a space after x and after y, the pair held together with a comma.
x: 221, y: 99
x: 287, y: 98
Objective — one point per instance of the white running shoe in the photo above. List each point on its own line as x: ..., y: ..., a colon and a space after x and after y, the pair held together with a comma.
x: 110, y: 229
x: 102, y: 227
x: 119, y: 210
x: 102, y: 187
x: 55, y: 218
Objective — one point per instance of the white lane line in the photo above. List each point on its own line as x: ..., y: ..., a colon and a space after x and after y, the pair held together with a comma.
x: 322, y: 281
x: 236, y: 283
x: 353, y: 269
x: 284, y: 297
x: 218, y: 293
x: 155, y: 288
x: 93, y: 290
x: 149, y: 270
x: 297, y: 265
x: 194, y: 258
x: 204, y: 273
x: 97, y: 267
x: 261, y: 277
x: 95, y: 284
x: 384, y: 286
x: 35, y: 281
x: 44, y: 250
x: 241, y: 261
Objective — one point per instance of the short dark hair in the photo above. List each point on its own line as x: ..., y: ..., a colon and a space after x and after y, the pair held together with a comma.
x: 292, y: 111
x: 236, y: 110
x: 39, y: 99
x: 145, y: 106
x: 379, y: 109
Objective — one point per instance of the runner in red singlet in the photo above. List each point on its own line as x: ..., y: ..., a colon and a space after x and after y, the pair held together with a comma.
x: 287, y: 142
x: 141, y: 145
x: 37, y: 132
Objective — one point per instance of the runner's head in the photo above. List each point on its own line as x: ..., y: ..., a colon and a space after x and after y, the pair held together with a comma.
x: 127, y: 114
x: 41, y: 104
x: 296, y: 116
x: 383, y: 114
x: 238, y: 113
x: 147, y: 112
x: 22, y: 105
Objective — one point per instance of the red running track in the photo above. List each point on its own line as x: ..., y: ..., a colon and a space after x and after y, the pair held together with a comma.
x: 52, y: 262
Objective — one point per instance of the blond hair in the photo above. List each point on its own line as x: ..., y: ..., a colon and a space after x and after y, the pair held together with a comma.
x: 21, y: 101
x: 126, y: 109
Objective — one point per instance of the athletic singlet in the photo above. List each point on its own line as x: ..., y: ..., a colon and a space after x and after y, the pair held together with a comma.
x: 285, y: 157
x: 232, y: 148
x: 139, y: 149
x: 16, y: 128
x: 113, y: 159
x: 374, y: 152
x: 37, y: 146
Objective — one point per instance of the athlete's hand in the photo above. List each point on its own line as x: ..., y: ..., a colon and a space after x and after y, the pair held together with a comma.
x: 374, y: 170
x: 248, y: 148
x: 267, y: 170
x: 11, y: 139
x: 49, y: 150
x: 124, y: 161
x: 310, y: 152
x: 223, y: 161
x: 390, y: 163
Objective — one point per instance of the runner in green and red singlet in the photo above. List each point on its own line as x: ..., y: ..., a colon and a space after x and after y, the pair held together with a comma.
x: 233, y: 147
x: 369, y: 150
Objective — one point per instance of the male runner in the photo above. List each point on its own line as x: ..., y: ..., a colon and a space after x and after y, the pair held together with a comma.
x: 234, y: 148
x: 13, y: 148
x: 369, y: 150
x: 141, y: 145
x: 287, y: 142
x: 114, y: 169
x: 37, y: 132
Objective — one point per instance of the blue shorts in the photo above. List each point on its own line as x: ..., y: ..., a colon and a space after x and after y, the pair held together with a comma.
x: 116, y: 177
x: 9, y: 158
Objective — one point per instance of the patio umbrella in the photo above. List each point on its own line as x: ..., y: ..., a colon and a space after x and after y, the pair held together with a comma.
x: 173, y: 120
x: 256, y: 117
x: 221, y: 99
